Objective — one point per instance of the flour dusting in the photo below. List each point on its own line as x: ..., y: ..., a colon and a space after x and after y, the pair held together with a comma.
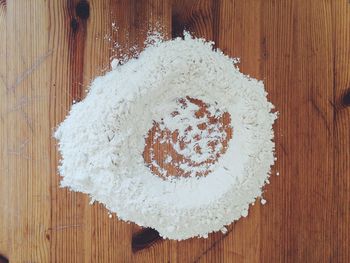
x: 226, y: 153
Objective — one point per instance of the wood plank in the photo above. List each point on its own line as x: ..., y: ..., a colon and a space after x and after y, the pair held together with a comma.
x: 299, y: 73
x: 28, y: 133
x: 341, y: 175
x: 69, y: 228
x: 4, y: 189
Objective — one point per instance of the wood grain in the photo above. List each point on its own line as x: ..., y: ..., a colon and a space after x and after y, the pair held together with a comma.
x: 51, y: 50
x: 341, y: 103
x: 4, y: 205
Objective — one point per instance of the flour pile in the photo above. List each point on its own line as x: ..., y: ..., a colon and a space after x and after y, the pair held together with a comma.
x: 103, y: 138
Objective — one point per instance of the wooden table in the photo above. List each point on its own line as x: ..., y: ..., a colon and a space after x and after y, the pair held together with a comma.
x: 49, y: 52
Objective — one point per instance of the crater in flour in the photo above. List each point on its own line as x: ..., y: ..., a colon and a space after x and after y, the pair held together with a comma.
x: 188, y: 141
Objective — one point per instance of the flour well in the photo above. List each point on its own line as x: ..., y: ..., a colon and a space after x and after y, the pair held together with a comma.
x: 103, y: 138
x: 194, y: 135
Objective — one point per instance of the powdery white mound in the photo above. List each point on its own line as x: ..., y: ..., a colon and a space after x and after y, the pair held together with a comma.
x: 103, y: 138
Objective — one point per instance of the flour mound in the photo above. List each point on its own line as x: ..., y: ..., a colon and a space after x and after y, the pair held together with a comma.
x: 103, y: 138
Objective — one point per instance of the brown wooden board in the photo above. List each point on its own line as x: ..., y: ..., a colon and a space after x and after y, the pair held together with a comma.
x: 51, y: 50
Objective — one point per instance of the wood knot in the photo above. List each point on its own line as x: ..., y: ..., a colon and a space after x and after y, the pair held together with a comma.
x: 82, y: 10
x: 3, y: 259
x: 74, y: 25
x: 144, y: 239
x: 346, y: 99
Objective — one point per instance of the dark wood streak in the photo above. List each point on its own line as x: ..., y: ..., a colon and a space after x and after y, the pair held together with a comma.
x: 213, y: 245
x: 3, y: 3
x: 215, y: 10
x: 200, y: 18
x: 144, y: 239
x: 177, y: 27
x: 79, y: 13
x: 182, y: 17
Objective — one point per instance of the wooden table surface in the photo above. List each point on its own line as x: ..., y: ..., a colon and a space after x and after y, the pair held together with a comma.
x: 49, y: 52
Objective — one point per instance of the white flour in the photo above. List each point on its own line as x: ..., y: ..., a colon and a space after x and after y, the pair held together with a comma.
x: 103, y: 138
